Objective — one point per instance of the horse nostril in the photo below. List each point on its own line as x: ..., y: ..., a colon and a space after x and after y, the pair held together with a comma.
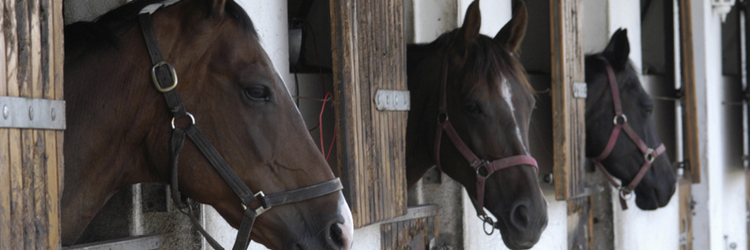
x: 519, y: 216
x: 337, y: 237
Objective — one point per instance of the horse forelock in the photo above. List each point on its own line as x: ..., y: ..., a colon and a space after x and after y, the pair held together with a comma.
x: 484, y: 57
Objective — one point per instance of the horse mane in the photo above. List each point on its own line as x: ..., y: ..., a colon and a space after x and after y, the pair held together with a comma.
x: 103, y: 30
x: 489, y: 59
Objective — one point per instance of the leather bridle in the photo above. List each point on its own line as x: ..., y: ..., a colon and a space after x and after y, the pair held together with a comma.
x: 621, y: 123
x: 483, y: 168
x: 165, y: 80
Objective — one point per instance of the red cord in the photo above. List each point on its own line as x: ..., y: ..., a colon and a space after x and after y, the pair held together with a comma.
x: 333, y: 141
x: 325, y: 99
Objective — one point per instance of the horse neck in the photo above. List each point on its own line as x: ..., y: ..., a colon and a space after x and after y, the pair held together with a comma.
x: 424, y: 86
x: 113, y: 115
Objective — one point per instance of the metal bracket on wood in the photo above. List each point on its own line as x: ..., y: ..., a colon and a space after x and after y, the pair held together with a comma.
x: 392, y: 100
x: 34, y: 113
x: 580, y: 90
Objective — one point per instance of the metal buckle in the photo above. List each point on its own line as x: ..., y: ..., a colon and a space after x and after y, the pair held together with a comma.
x: 626, y: 195
x: 172, y: 72
x: 192, y: 118
x: 624, y: 119
x: 649, y: 155
x: 262, y: 209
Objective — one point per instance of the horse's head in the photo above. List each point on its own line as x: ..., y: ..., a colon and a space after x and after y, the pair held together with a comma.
x: 227, y: 81
x: 489, y: 103
x: 627, y: 158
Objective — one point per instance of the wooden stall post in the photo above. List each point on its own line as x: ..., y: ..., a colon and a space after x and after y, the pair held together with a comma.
x: 690, y: 114
x: 369, y: 54
x: 691, y: 145
x: 568, y: 117
x: 30, y: 138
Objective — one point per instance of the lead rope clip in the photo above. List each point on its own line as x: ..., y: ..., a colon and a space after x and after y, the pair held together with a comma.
x: 485, y: 221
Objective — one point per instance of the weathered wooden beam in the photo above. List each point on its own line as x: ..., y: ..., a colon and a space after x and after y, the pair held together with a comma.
x: 690, y: 113
x: 568, y: 111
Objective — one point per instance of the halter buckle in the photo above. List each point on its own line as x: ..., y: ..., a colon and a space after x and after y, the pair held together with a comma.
x: 262, y: 208
x: 624, y: 119
x: 649, y: 155
x: 172, y: 73
x: 626, y: 194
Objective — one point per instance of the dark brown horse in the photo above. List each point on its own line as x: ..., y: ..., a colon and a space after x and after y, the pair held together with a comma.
x: 118, y: 130
x: 489, y: 102
x: 627, y: 157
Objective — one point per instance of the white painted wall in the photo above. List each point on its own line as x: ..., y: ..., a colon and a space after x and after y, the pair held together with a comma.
x: 721, y: 215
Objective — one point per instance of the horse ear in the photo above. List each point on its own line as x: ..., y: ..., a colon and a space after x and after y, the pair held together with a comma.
x: 472, y: 22
x: 512, y: 33
x: 618, y: 49
x: 217, y: 7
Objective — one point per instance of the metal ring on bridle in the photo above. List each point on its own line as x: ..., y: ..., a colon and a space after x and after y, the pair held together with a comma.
x: 172, y: 73
x: 442, y: 117
x: 485, y: 221
x: 624, y: 119
x: 192, y: 119
x: 649, y: 155
x: 624, y: 195
x: 486, y: 170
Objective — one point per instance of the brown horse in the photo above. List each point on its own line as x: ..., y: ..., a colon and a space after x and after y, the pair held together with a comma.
x: 118, y: 130
x: 483, y: 92
x: 625, y: 155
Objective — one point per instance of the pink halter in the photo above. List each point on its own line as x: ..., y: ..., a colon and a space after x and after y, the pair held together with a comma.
x: 483, y: 168
x: 621, y: 123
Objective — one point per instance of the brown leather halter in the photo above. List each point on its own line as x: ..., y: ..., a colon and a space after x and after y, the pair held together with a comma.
x: 621, y: 123
x: 165, y: 80
x: 483, y: 168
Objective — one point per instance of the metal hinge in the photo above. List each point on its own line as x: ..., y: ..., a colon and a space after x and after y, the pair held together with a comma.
x: 35, y: 113
x: 392, y: 100
x: 580, y: 90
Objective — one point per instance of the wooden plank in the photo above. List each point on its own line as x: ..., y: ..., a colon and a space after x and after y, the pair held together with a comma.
x: 686, y: 214
x: 5, y: 219
x: 53, y: 148
x: 691, y: 137
x: 12, y: 48
x: 408, y: 232
x: 40, y: 221
x: 59, y: 61
x: 50, y: 136
x: 568, y: 112
x: 14, y: 135
x: 580, y: 218
x: 26, y: 81
x: 368, y: 54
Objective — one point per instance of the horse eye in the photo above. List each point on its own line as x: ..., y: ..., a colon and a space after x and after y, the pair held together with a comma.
x: 257, y: 93
x: 472, y: 107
